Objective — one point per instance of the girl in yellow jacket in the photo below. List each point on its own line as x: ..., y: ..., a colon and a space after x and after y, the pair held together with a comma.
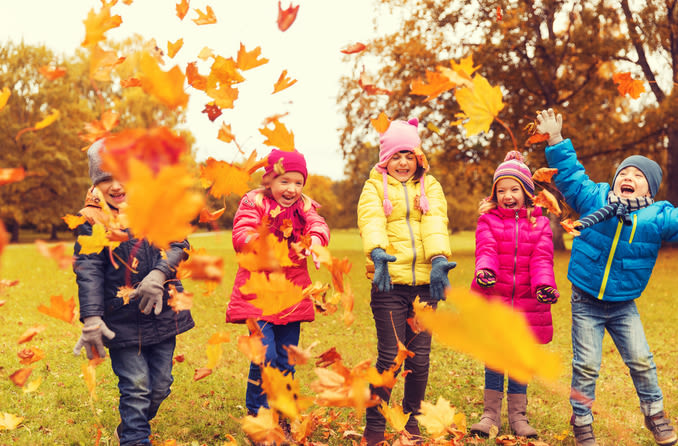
x: 404, y: 210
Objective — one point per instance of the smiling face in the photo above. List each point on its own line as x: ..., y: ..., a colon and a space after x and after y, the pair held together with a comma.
x: 286, y: 188
x: 402, y: 166
x: 631, y: 183
x: 510, y: 194
x: 113, y: 192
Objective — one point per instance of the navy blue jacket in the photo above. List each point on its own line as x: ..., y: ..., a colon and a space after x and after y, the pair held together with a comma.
x: 98, y: 281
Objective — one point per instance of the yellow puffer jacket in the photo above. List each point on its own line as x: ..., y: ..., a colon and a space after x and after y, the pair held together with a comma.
x: 412, y: 237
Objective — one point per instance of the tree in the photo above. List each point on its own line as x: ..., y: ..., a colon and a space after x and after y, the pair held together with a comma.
x: 559, y: 54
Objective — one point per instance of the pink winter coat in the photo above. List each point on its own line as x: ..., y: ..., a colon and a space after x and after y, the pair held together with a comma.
x: 254, y: 206
x: 521, y: 257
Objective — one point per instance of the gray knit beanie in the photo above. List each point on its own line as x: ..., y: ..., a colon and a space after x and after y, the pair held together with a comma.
x: 94, y: 159
x: 651, y: 170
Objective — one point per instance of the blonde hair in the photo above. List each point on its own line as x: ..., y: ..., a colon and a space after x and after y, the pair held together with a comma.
x: 489, y: 203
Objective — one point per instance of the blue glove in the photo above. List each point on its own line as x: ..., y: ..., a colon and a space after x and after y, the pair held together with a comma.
x: 439, y: 281
x: 381, y: 279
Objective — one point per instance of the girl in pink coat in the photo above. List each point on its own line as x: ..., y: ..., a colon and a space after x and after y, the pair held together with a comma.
x: 280, y: 201
x: 514, y: 263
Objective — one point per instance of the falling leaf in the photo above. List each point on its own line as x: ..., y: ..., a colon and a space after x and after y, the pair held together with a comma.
x: 297, y: 355
x: 201, y: 373
x: 93, y: 244
x: 52, y: 73
x: 60, y: 252
x: 537, y: 138
x: 59, y: 308
x: 395, y: 416
x: 283, y: 82
x: 205, y: 53
x: 546, y: 200
x: 225, y: 133
x: 480, y: 105
x: 224, y: 178
x: 279, y: 136
x: 286, y: 16
x: 465, y: 66
x: 28, y: 356
x: 499, y: 15
x: 179, y: 300
x: 167, y: 87
x: 201, y: 266
x: 182, y: 9
x: 354, y: 48
x: 96, y: 130
x: 173, y: 48
x: 224, y: 96
x: 20, y: 377
x: 265, y: 253
x: 219, y: 338
x: 544, y: 174
x: 207, y: 216
x: 436, y: 84
x: 251, y: 345
x: 33, y: 385
x: 89, y: 373
x: 101, y: 63
x: 274, y: 293
x: 248, y: 60
x: 263, y: 428
x: 124, y: 293
x: 432, y: 127
x: 194, y: 78
x: 73, y: 221
x: 328, y: 358
x: 47, y: 121
x: 381, y: 123
x: 11, y: 175
x: 212, y: 110
x: 569, y: 226
x: 205, y: 18
x: 367, y: 84
x: 96, y: 24
x: 341, y: 387
x: 627, y: 85
x: 27, y: 335
x: 4, y: 97
x: 283, y: 393
x: 214, y: 354
x: 10, y: 421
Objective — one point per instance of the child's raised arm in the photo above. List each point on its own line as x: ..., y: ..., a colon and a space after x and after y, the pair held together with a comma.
x: 550, y: 124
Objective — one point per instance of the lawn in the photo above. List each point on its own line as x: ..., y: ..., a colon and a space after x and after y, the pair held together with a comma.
x: 200, y: 412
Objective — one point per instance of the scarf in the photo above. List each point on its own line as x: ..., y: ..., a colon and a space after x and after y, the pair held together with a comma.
x: 615, y: 207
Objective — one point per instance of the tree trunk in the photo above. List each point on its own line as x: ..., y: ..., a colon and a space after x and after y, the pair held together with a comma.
x: 558, y: 232
x: 13, y: 229
x: 54, y: 236
x: 671, y: 169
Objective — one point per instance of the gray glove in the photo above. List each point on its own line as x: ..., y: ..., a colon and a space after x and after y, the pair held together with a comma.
x: 381, y: 279
x: 438, y: 279
x: 150, y: 290
x: 550, y: 123
x: 91, y: 337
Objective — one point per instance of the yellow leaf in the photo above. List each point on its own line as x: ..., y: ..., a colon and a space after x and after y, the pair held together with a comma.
x: 174, y: 47
x: 274, y: 293
x: 519, y: 353
x: 33, y: 385
x: 49, y: 119
x: 480, y: 104
x: 73, y: 221
x: 436, y: 418
x: 89, y: 374
x: 279, y: 137
x: 395, y: 416
x: 283, y: 82
x: 167, y: 87
x: 214, y: 354
x: 264, y: 427
x: 225, y: 133
x: 93, y: 244
x: 4, y: 97
x: 205, y: 53
x: 282, y: 392
x: 465, y: 67
x: 10, y: 421
x: 224, y: 178
x: 381, y: 123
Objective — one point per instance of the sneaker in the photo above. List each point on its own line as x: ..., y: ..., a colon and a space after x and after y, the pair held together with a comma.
x: 583, y: 435
x: 661, y: 428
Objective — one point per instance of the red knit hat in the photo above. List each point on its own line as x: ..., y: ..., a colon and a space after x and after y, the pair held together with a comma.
x: 513, y: 167
x: 280, y: 161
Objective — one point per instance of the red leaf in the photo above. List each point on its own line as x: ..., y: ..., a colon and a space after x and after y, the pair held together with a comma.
x: 52, y: 73
x: 213, y: 111
x: 286, y: 16
x: 354, y: 48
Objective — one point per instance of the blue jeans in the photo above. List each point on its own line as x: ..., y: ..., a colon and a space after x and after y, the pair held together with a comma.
x: 144, y: 380
x: 590, y: 318
x: 275, y: 337
x: 495, y: 381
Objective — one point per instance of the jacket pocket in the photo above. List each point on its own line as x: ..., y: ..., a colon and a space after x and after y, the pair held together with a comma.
x: 637, y: 263
x: 589, y: 251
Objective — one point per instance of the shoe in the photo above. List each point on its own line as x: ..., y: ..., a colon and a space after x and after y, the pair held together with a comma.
x: 661, y: 428
x: 517, y: 410
x: 491, y: 414
x: 372, y: 438
x: 414, y: 432
x: 583, y: 435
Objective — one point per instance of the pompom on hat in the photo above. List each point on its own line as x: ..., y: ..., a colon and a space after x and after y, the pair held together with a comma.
x: 651, y: 170
x: 96, y: 174
x: 292, y: 161
x: 401, y: 136
x: 514, y: 167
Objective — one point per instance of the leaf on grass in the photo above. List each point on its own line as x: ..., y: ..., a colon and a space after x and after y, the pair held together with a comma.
x: 224, y: 178
x: 165, y: 86
x: 438, y: 419
x: 27, y: 335
x: 246, y: 60
x: 546, y: 200
x: 627, y: 85
x: 4, y: 97
x: 263, y: 428
x: 174, y: 47
x: 28, y: 356
x: 205, y: 18
x: 286, y: 16
x: 480, y: 104
x: 59, y: 308
x: 381, y: 124
x: 394, y: 416
x: 544, y: 174
x: 20, y: 377
x: 33, y: 385
x: 354, y: 48
x: 13, y: 175
x: 283, y: 82
x: 283, y: 393
x: 279, y: 136
x: 201, y: 373
x: 10, y: 421
x: 52, y: 73
x: 57, y: 252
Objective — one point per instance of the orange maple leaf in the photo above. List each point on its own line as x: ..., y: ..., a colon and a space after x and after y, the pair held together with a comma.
x: 297, y: 355
x: 52, y: 73
x: 201, y: 373
x: 279, y: 136
x: 283, y: 392
x: 11, y: 175
x: 28, y: 356
x: 205, y: 53
x: 20, y: 377
x: 96, y: 24
x: 274, y: 293
x: 395, y: 416
x: 201, y: 266
x: 179, y: 300
x: 544, y: 174
x: 89, y: 373
x: 537, y: 138
x: 263, y: 427
x: 342, y: 387
x: 265, y: 253
x: 251, y: 345
x: 207, y: 216
x: 283, y: 82
x: 124, y: 292
x: 248, y: 60
x: 101, y: 63
x: 57, y: 252
x: 627, y: 85
x: 205, y: 18
x: 4, y: 97
x: 436, y: 84
x: 327, y: 358
x: 224, y: 96
x: 223, y: 178
x: 99, y: 129
x: 45, y: 122
x: 546, y: 200
x: 167, y: 87
x: 354, y: 48
x: 182, y: 9
x: 225, y: 133
x: 174, y: 47
x: 219, y: 338
x: 286, y: 16
x: 194, y: 78
x: 27, y: 335
x: 569, y: 226
x: 59, y: 308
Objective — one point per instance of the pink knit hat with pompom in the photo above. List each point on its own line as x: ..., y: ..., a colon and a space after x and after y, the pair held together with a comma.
x: 514, y: 167
x: 401, y: 136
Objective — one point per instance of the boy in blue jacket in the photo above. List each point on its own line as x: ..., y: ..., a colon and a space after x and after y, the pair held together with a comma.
x: 622, y: 229
x: 141, y: 334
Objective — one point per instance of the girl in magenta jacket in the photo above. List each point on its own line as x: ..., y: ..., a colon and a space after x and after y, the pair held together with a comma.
x: 514, y: 263
x: 279, y: 200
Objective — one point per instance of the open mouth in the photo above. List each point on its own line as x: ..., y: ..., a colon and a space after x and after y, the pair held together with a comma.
x: 510, y: 205
x: 627, y: 189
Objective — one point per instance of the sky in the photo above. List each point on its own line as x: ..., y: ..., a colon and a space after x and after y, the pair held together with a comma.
x: 309, y: 50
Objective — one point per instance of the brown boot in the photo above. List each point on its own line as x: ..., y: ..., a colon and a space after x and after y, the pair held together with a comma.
x: 517, y: 407
x: 491, y: 414
x: 372, y: 438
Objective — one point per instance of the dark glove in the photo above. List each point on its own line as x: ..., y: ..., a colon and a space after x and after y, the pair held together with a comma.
x: 485, y: 278
x: 547, y: 294
x: 381, y: 279
x: 150, y: 290
x: 91, y: 337
x: 439, y: 281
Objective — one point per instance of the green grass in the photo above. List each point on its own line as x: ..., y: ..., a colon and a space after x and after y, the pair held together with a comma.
x: 206, y: 411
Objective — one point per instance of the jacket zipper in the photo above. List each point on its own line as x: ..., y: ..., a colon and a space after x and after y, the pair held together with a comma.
x: 409, y: 226
x: 610, y: 257
x: 515, y: 261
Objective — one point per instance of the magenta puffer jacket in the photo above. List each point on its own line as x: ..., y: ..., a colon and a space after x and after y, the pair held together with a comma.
x: 521, y: 257
x: 254, y: 206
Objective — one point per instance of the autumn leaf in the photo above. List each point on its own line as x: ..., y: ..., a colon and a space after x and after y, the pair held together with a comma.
x: 182, y: 9
x: 537, y: 138
x: 11, y: 175
x: 101, y: 63
x: 279, y: 136
x: 224, y: 96
x: 98, y: 129
x: 10, y: 421
x: 73, y: 221
x: 4, y: 97
x: 194, y: 78
x: 544, y: 174
x: 179, y: 300
x: 125, y: 292
x: 248, y: 60
x: 205, y: 53
x: 381, y: 124
x: 438, y: 419
x: 93, y: 244
x: 96, y: 24
x: 167, y: 87
x: 283, y: 82
x: 207, y: 216
x: 201, y: 373
x: 225, y: 133
x: 286, y: 16
x: 212, y: 110
x: 20, y: 377
x: 52, y: 73
x: 341, y: 387
x: 224, y: 178
x: 219, y: 338
x: 354, y: 48
x: 251, y: 345
x: 263, y: 427
x: 569, y: 226
x: 59, y: 308
x: 283, y: 393
x: 168, y: 197
x: 205, y: 18
x: 395, y: 416
x: 57, y: 252
x: 367, y: 84
x: 27, y: 335
x: 465, y: 66
x: 297, y: 355
x: 546, y: 200
x: 28, y: 356
x: 201, y: 266
x: 47, y: 121
x: 627, y: 85
x: 89, y: 373
x: 174, y: 47
x: 265, y: 253
x: 214, y: 353
x: 33, y: 385
x: 480, y: 104
x: 274, y: 293
x: 436, y: 84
